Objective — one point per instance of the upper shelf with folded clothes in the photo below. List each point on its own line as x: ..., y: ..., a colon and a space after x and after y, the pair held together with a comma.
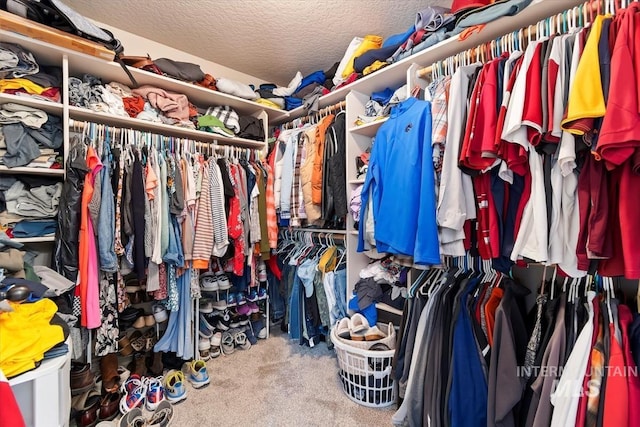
x: 441, y: 46
x: 80, y: 63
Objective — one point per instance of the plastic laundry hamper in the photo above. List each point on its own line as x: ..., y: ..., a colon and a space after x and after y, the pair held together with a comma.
x: 365, y: 374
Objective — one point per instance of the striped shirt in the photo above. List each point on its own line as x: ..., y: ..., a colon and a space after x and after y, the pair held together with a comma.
x: 216, y: 190
x: 203, y: 242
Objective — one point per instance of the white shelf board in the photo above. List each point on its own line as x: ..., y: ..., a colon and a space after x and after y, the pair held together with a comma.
x: 51, y: 107
x: 395, y: 75
x: 368, y: 129
x: 388, y: 309
x: 80, y: 63
x: 43, y: 239
x: 353, y: 232
x: 83, y: 114
x: 356, y: 181
x: 31, y: 171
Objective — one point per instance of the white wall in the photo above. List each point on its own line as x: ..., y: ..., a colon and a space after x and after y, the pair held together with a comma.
x: 135, y: 45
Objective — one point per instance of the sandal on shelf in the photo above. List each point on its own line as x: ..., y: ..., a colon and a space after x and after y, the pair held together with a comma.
x: 138, y: 342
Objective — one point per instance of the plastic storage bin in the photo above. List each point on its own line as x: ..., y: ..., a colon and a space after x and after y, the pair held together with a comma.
x: 365, y: 374
x: 44, y: 394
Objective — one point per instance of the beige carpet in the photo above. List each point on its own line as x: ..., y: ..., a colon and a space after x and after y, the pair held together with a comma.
x: 276, y: 383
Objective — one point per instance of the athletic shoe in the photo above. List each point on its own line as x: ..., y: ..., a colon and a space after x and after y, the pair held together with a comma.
x: 132, y: 418
x: 133, y: 399
x: 231, y: 300
x: 235, y: 320
x: 253, y: 295
x: 240, y: 339
x: 223, y: 281
x: 196, y: 371
x: 220, y: 304
x: 175, y: 390
x: 203, y: 346
x: 227, y: 345
x: 162, y: 415
x: 240, y: 299
x: 262, y: 293
x: 243, y: 319
x: 216, y: 339
x: 244, y: 309
x: 205, y: 328
x: 155, y: 393
x: 223, y: 324
x: 131, y: 383
x: 253, y: 307
x: 206, y: 307
x: 209, y: 282
x: 214, y: 352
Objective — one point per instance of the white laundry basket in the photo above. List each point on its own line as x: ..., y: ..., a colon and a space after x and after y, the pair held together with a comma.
x: 366, y: 374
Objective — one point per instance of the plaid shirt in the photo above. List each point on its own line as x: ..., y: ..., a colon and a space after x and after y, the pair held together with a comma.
x: 440, y: 94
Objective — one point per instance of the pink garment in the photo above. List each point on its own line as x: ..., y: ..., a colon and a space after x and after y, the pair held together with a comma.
x: 173, y: 105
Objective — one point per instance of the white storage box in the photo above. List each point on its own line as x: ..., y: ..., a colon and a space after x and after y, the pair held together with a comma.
x: 44, y: 394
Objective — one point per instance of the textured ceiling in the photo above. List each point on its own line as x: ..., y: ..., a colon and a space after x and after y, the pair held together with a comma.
x: 269, y: 39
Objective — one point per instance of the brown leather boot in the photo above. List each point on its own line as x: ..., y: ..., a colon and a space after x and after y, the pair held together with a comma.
x: 109, y: 372
x: 156, y: 367
x: 138, y: 365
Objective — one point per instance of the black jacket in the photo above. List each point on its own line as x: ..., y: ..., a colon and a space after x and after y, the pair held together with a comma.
x: 67, y: 237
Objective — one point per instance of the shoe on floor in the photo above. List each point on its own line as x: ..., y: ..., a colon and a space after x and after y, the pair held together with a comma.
x: 214, y: 352
x: 196, y: 372
x: 133, y: 418
x: 133, y: 399
x: 227, y: 345
x: 241, y: 341
x: 174, y: 388
x: 204, y: 344
x: 216, y: 339
x: 155, y: 393
x: 162, y: 415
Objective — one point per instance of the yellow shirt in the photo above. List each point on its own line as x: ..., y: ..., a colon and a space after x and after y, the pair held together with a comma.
x: 370, y: 42
x: 586, y: 99
x: 28, y: 85
x: 26, y: 334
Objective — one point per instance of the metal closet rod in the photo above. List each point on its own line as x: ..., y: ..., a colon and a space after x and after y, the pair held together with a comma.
x: 560, y: 23
x: 142, y: 137
x: 323, y: 112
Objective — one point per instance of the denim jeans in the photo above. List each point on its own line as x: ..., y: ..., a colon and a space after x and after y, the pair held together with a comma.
x: 340, y: 309
x: 174, y: 253
x: 106, y: 221
x: 276, y: 299
x: 241, y: 283
x: 295, y: 303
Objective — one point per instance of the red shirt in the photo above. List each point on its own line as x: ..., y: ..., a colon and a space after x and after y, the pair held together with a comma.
x: 620, y: 131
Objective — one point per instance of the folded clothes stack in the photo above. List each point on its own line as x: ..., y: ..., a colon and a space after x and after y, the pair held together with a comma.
x: 380, y: 103
x: 161, y: 106
x: 29, y: 137
x: 28, y: 206
x: 21, y: 75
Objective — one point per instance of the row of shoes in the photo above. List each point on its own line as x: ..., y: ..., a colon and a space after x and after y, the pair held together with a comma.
x: 233, y: 299
x: 224, y: 332
x: 138, y: 318
x: 150, y: 392
x: 357, y: 328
